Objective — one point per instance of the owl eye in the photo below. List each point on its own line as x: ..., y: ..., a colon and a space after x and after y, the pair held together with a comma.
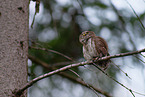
x: 87, y: 32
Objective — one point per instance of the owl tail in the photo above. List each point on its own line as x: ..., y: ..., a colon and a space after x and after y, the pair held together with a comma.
x: 104, y: 64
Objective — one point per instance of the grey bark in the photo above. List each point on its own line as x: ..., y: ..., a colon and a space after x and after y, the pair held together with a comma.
x: 14, y: 26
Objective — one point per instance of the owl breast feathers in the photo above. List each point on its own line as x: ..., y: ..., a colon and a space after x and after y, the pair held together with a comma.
x: 94, y: 46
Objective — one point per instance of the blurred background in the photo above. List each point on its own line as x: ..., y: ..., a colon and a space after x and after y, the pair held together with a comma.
x: 57, y: 27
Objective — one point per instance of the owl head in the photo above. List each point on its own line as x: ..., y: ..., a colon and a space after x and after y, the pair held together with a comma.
x: 85, y: 36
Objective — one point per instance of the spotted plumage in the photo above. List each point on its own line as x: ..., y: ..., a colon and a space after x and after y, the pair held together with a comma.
x: 94, y: 46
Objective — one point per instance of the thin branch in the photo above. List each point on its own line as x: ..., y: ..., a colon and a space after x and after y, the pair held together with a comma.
x: 142, y: 55
x: 123, y: 24
x: 30, y: 83
x: 136, y: 15
x: 140, y: 59
x: 80, y: 6
x: 33, y: 20
x: 121, y: 69
x: 84, y: 82
x: 121, y: 55
x: 49, y: 50
x: 36, y: 11
x: 113, y: 78
x: 74, y: 79
x: 131, y: 91
x: 61, y: 64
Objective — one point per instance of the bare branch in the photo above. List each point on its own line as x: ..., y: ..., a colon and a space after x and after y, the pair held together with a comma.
x: 142, y: 55
x: 56, y: 52
x: 74, y: 79
x: 140, y: 59
x: 36, y: 11
x: 121, y: 70
x: 123, y: 25
x: 85, y: 82
x: 121, y: 55
x: 136, y: 15
x: 113, y: 79
x: 30, y: 83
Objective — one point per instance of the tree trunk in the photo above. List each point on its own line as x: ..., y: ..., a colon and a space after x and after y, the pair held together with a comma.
x: 14, y: 27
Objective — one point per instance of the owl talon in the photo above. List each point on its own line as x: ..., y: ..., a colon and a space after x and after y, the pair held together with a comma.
x: 95, y: 59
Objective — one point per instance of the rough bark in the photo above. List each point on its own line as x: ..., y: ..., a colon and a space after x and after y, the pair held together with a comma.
x: 14, y: 25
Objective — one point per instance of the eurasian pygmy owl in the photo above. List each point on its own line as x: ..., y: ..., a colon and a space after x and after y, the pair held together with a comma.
x: 93, y: 47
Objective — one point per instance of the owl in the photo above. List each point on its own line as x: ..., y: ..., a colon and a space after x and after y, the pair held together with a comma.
x: 93, y: 47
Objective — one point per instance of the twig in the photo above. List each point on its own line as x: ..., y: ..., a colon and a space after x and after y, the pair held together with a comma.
x: 61, y: 64
x: 56, y: 52
x: 30, y: 83
x: 140, y: 59
x: 85, y: 82
x: 121, y: 55
x: 136, y: 14
x: 142, y: 55
x: 113, y: 79
x: 121, y: 69
x: 33, y: 20
x: 80, y: 6
x: 123, y: 24
x: 36, y: 11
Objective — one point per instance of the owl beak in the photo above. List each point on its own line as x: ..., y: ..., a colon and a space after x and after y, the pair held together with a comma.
x: 84, y: 34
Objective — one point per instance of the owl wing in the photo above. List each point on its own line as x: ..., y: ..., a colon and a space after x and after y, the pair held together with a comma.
x: 101, y: 46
